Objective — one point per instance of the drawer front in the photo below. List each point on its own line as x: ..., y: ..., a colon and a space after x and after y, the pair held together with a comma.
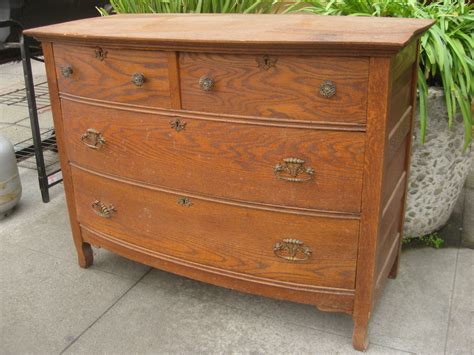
x: 234, y: 161
x: 287, y: 87
x: 243, y: 240
x: 127, y: 76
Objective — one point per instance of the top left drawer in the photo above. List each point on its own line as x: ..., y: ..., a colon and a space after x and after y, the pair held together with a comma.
x: 116, y: 75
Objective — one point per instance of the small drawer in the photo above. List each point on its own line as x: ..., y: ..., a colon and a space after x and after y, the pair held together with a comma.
x: 323, y: 89
x: 127, y: 76
x: 268, y: 245
x: 284, y: 166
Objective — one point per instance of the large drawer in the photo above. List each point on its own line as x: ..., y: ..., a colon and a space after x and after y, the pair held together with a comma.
x: 287, y: 87
x: 121, y: 75
x: 272, y: 245
x: 239, y: 161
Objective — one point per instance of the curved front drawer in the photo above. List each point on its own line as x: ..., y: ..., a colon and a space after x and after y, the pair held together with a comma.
x: 233, y: 161
x: 248, y: 241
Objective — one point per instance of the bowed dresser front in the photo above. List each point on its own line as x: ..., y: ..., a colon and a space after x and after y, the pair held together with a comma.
x: 266, y: 154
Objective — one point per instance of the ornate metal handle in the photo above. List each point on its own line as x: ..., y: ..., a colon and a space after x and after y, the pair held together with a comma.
x: 292, y: 250
x: 206, y: 83
x: 138, y: 79
x: 93, y: 139
x: 177, y: 124
x: 66, y: 71
x: 291, y: 168
x: 185, y: 202
x: 102, y: 210
x: 327, y: 89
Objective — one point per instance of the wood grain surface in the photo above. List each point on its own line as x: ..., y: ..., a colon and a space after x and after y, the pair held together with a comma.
x: 220, y: 32
x: 228, y: 237
x: 111, y: 78
x: 234, y: 161
x: 289, y: 89
x: 324, y: 298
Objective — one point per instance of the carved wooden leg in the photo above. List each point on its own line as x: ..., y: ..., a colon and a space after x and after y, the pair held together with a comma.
x: 360, y: 339
x: 84, y: 255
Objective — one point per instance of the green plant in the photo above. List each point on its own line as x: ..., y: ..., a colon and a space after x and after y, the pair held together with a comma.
x: 447, y: 48
x: 191, y: 6
x: 431, y: 240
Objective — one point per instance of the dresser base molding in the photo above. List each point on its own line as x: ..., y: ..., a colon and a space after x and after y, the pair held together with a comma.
x: 325, y: 299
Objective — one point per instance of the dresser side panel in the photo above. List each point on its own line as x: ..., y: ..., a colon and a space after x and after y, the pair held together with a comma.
x: 84, y: 250
x: 408, y: 152
x: 397, y: 158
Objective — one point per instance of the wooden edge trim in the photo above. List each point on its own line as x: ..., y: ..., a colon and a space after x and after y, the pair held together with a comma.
x: 251, y: 120
x: 259, y: 206
x: 319, y: 49
x: 398, y: 134
x: 174, y: 81
x: 398, y: 191
x: 319, y: 296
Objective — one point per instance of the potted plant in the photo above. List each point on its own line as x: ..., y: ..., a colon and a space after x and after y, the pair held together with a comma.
x: 441, y: 155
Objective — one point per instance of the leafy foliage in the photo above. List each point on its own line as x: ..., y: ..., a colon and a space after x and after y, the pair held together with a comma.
x: 431, y: 240
x: 447, y: 48
x: 191, y: 6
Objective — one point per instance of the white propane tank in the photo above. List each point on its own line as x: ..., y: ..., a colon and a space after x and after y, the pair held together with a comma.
x: 10, y: 185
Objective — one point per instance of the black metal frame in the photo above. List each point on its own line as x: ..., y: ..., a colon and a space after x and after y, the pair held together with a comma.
x: 38, y: 145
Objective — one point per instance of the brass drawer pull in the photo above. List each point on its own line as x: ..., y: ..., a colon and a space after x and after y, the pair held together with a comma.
x: 265, y: 62
x: 327, y: 89
x: 66, y: 71
x: 206, y: 83
x: 184, y: 201
x: 102, y: 210
x: 177, y: 124
x: 291, y: 168
x: 93, y: 139
x: 292, y: 250
x: 138, y: 79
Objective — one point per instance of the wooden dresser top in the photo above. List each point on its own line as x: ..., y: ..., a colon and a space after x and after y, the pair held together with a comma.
x: 378, y: 36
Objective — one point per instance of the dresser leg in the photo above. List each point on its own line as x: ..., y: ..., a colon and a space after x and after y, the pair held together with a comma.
x: 85, y: 255
x: 360, y: 339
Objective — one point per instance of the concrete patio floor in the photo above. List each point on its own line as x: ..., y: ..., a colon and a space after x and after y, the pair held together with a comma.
x: 49, y: 305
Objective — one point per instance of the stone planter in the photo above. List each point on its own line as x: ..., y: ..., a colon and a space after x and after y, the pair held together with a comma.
x: 438, y: 170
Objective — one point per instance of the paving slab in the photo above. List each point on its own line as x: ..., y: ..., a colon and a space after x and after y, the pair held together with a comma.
x: 158, y: 320
x: 468, y: 219
x: 13, y: 114
x: 413, y: 311
x: 15, y: 133
x: 46, y: 302
x: 45, y: 119
x: 12, y: 72
x: 460, y: 338
x: 45, y: 228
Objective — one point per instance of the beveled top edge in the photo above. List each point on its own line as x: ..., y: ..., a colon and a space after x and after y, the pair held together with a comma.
x: 305, y: 31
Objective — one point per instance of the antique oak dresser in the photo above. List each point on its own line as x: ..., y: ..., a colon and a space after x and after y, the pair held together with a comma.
x: 264, y: 153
